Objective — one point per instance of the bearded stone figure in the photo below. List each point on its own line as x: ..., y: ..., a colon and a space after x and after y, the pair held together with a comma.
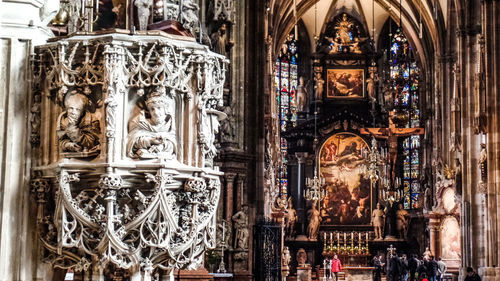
x: 152, y: 131
x: 78, y: 130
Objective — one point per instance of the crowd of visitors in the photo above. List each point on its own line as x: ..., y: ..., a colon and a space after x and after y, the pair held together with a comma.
x: 401, y: 268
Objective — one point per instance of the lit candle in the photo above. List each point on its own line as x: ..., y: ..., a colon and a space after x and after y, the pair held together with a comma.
x: 359, y: 237
x: 345, y: 236
x: 367, y: 237
x: 338, y: 236
x: 324, y: 236
x: 331, y: 236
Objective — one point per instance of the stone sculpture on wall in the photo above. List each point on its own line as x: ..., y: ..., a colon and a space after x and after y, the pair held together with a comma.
x: 154, y: 136
x: 378, y: 218
x: 240, y: 220
x: 301, y: 96
x: 143, y: 11
x: 402, y: 221
x: 78, y: 129
x: 221, y: 44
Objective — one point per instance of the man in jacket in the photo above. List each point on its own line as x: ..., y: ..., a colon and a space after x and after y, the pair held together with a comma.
x: 441, y: 269
x: 412, y: 266
x: 432, y: 269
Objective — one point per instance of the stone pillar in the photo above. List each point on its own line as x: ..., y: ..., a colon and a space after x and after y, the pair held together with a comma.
x: 229, y: 191
x: 22, y: 26
x: 298, y: 195
x: 434, y: 244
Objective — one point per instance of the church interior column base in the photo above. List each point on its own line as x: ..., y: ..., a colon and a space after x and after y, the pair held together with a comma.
x: 489, y: 273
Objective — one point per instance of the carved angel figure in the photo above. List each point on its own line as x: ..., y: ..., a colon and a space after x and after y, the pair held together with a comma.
x: 153, y: 136
x: 78, y: 129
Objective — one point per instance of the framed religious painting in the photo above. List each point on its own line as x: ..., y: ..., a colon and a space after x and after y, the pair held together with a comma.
x: 345, y: 83
x: 343, y: 166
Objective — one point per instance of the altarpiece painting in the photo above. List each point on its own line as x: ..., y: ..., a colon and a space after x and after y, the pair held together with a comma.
x: 343, y: 166
x: 345, y: 83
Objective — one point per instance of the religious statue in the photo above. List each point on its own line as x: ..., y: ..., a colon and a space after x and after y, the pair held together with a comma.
x: 226, y: 128
x: 279, y: 204
x: 314, y: 220
x: 343, y: 30
x: 240, y: 220
x: 189, y: 15
x: 301, y: 257
x: 428, y: 199
x: 483, y: 162
x: 290, y: 218
x: 370, y: 85
x: 378, y: 216
x: 427, y: 254
x: 388, y: 97
x: 74, y: 10
x: 286, y: 257
x: 152, y: 131
x: 319, y: 86
x: 143, y: 10
x: 301, y: 96
x: 402, y: 221
x: 78, y: 129
x: 220, y: 43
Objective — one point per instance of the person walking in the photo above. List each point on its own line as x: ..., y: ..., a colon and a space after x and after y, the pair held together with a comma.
x: 378, y: 264
x: 394, y: 269
x: 422, y: 269
x: 412, y: 266
x: 336, y: 267
x: 441, y: 269
x: 404, y: 267
x: 432, y: 269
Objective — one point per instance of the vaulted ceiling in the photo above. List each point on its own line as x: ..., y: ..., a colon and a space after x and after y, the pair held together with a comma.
x: 423, y: 20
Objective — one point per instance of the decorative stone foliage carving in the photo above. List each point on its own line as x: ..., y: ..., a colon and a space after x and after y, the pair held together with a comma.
x: 137, y: 100
x: 223, y: 10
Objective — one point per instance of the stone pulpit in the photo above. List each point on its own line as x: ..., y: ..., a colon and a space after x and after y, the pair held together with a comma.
x: 124, y: 129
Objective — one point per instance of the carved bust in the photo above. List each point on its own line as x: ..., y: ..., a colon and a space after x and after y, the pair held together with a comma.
x: 152, y: 131
x: 78, y: 130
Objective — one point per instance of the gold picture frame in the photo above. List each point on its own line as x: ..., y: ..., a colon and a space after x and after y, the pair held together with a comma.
x: 345, y: 83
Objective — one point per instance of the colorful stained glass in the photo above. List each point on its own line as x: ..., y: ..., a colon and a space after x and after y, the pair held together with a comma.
x: 404, y: 74
x: 286, y: 79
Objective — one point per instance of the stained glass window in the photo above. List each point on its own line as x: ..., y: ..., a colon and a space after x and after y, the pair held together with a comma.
x: 286, y: 81
x: 404, y: 78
